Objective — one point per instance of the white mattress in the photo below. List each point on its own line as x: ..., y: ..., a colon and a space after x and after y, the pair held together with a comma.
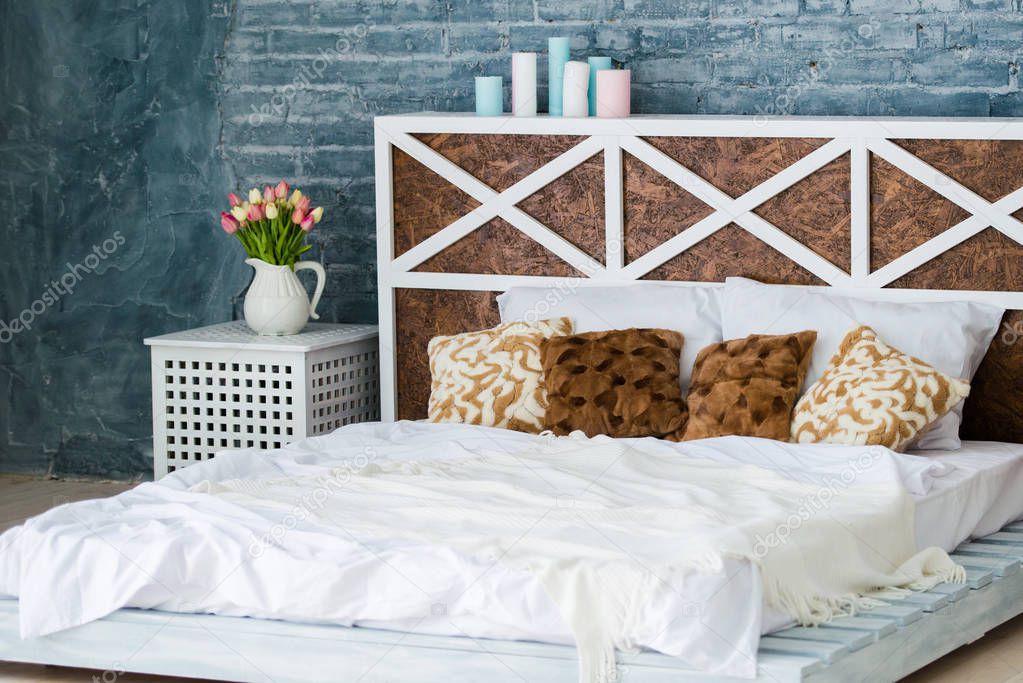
x: 161, y: 536
x: 983, y: 493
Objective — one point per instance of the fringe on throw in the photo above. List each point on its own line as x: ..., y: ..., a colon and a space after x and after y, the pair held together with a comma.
x: 814, y: 610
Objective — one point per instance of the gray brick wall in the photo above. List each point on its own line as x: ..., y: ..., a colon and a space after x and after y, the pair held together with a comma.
x: 303, y: 80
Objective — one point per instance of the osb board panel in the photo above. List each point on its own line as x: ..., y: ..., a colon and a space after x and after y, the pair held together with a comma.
x: 736, y: 165
x: 904, y: 213
x: 499, y: 161
x: 988, y: 261
x: 991, y: 168
x: 816, y: 212
x: 424, y: 203
x: 573, y: 206
x: 497, y: 247
x: 732, y: 251
x: 420, y: 315
x: 655, y: 210
x: 994, y: 408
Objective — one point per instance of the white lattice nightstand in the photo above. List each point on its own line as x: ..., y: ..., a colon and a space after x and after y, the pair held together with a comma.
x: 223, y: 387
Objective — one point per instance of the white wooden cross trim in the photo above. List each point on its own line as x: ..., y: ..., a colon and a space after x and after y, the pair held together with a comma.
x: 498, y: 204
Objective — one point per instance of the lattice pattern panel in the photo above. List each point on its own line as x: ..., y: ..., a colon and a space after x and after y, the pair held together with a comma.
x: 345, y: 389
x: 213, y: 405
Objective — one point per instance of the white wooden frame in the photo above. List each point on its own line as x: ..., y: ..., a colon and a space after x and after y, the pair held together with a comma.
x: 857, y: 136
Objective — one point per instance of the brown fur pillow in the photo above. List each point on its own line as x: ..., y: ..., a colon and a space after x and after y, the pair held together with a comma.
x: 621, y: 383
x: 749, y: 386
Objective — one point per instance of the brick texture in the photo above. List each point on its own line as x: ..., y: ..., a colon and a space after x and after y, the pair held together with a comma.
x: 303, y: 80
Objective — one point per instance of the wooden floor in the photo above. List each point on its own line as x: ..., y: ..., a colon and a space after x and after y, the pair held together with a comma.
x: 995, y: 658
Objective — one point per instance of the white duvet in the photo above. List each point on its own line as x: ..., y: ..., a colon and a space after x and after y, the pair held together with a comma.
x: 471, y: 531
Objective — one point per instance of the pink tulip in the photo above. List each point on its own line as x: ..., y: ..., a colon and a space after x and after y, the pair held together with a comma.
x: 307, y: 223
x: 228, y: 222
x: 233, y: 199
x: 268, y: 194
x: 256, y: 212
x: 303, y: 204
x: 282, y: 190
x: 297, y: 215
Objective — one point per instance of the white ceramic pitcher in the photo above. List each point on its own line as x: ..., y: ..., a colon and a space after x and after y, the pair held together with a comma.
x: 276, y: 302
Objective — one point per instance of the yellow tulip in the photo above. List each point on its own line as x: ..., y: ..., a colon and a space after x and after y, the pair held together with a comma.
x: 295, y: 197
x: 271, y: 211
x: 317, y: 213
x: 255, y: 196
x: 239, y: 212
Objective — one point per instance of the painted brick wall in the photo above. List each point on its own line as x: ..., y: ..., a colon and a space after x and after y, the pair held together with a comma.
x: 136, y: 116
x: 303, y: 80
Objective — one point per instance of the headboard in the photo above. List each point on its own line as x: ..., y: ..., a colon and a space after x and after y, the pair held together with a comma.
x: 913, y: 209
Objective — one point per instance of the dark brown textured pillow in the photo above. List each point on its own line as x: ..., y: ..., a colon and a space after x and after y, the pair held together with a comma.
x: 748, y: 386
x: 620, y: 383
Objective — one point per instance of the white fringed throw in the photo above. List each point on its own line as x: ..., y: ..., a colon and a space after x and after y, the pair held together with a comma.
x: 600, y: 523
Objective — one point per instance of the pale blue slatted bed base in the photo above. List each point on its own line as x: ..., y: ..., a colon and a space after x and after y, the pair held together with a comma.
x: 877, y: 645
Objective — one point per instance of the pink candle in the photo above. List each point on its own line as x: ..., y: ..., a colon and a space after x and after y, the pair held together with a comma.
x: 613, y: 98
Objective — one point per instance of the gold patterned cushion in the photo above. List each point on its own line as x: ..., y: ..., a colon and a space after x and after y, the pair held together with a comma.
x: 747, y: 387
x: 621, y: 383
x: 492, y: 377
x: 873, y: 394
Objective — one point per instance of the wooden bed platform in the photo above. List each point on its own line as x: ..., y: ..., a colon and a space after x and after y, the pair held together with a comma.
x: 884, y: 644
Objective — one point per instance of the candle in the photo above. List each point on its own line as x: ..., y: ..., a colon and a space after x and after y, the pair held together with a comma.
x: 596, y: 64
x: 524, y: 84
x: 577, y: 80
x: 489, y: 95
x: 613, y: 99
x: 557, y: 57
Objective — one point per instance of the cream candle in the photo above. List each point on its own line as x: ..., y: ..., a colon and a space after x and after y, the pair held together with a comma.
x: 577, y: 81
x: 557, y: 57
x: 596, y: 64
x: 613, y: 96
x: 489, y: 95
x: 524, y: 84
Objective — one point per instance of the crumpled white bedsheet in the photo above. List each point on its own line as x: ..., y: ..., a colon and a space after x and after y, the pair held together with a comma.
x: 161, y: 546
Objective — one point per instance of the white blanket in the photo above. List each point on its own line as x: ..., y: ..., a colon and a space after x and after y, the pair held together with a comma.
x: 382, y: 548
x: 600, y: 523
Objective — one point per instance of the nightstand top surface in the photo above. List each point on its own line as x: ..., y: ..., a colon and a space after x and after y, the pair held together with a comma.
x: 236, y: 334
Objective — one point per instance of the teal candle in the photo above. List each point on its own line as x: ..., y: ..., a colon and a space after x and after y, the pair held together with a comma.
x: 557, y: 57
x: 489, y: 95
x: 596, y: 64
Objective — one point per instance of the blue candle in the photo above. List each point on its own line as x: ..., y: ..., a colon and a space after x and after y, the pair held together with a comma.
x: 596, y: 64
x: 489, y: 95
x: 557, y: 57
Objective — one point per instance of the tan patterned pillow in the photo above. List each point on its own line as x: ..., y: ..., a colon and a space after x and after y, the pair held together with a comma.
x: 492, y: 377
x: 873, y: 394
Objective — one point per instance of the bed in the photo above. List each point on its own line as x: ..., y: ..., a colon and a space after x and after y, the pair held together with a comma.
x: 468, y: 207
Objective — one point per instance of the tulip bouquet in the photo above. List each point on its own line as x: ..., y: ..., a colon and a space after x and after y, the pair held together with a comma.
x: 271, y: 225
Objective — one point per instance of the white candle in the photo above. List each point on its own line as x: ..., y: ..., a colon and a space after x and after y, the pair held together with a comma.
x: 574, y: 95
x: 524, y: 84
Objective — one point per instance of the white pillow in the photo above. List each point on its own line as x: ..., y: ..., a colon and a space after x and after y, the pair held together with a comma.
x: 952, y: 336
x: 693, y: 310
